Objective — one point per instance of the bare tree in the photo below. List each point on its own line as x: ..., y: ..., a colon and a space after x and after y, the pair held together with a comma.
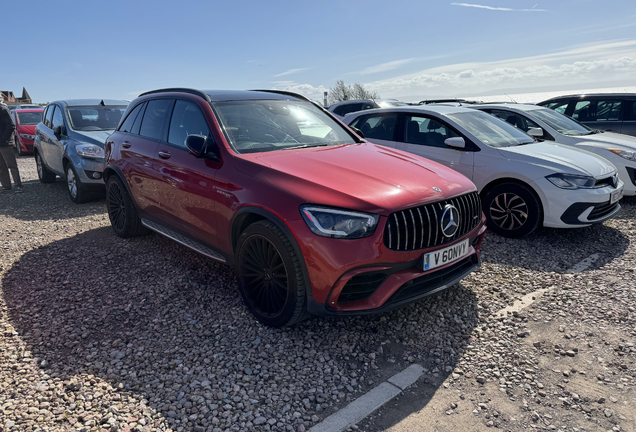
x: 359, y: 92
x: 342, y: 92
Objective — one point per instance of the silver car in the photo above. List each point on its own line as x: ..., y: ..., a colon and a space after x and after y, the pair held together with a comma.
x: 69, y: 142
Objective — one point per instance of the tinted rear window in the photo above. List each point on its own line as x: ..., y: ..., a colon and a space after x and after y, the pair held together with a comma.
x: 29, y: 118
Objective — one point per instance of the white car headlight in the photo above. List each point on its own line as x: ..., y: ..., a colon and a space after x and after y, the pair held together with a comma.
x: 334, y: 223
x: 571, y: 181
x: 89, y: 150
x: 626, y: 154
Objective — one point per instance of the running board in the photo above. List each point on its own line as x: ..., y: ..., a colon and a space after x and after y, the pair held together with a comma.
x: 186, y: 241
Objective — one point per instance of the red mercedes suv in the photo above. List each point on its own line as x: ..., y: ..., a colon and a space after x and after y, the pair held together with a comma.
x: 314, y: 219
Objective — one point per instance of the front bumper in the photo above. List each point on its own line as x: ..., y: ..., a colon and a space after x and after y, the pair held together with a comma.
x: 85, y: 169
x: 567, y: 208
x: 381, y: 279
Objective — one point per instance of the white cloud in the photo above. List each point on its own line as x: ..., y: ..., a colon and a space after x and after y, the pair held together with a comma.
x: 498, y: 8
x: 384, y: 67
x: 584, y: 66
x: 290, y: 72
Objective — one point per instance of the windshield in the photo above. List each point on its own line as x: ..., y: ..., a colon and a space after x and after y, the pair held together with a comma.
x: 95, y: 118
x: 561, y: 123
x: 490, y: 130
x: 29, y: 118
x: 265, y: 125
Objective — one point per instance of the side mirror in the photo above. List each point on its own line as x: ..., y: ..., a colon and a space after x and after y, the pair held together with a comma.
x: 358, y: 131
x: 456, y: 142
x: 197, y: 145
x: 535, y: 132
x: 58, y: 131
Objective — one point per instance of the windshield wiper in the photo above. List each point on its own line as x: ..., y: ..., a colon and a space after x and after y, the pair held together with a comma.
x: 304, y: 146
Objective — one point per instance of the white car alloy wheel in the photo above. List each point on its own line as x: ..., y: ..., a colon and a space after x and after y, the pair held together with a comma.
x: 509, y: 211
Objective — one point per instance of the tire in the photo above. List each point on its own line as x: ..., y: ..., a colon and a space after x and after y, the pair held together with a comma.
x: 121, y: 210
x: 44, y: 174
x: 270, y: 276
x: 18, y: 147
x: 76, y: 190
x: 512, y: 210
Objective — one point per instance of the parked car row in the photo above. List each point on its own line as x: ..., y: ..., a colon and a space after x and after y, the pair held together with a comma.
x: 523, y: 183
x: 317, y: 217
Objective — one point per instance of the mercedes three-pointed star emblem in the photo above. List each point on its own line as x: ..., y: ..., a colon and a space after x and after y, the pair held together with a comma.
x: 450, y: 219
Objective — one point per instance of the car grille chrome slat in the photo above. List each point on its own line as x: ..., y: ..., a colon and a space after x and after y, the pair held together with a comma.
x: 406, y: 232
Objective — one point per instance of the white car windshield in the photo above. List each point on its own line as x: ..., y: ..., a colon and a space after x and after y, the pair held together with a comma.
x: 490, y: 130
x: 561, y: 123
x: 266, y: 125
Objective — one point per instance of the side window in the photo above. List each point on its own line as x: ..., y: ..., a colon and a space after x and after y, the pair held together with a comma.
x: 629, y: 107
x: 517, y: 120
x: 58, y: 118
x: 560, y: 107
x: 154, y: 118
x: 426, y: 131
x: 583, y: 111
x: 127, y: 125
x: 48, y: 119
x: 187, y: 119
x: 608, y: 110
x: 378, y: 126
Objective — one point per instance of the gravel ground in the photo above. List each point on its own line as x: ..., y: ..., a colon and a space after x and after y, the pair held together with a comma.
x: 101, y: 333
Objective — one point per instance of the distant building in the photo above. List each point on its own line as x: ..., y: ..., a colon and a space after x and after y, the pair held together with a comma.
x: 9, y: 98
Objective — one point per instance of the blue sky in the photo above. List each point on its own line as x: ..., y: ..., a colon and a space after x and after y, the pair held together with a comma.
x: 405, y: 49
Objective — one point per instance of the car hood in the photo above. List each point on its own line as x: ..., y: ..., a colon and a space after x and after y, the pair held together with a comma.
x: 364, y: 177
x: 559, y: 158
x: 92, y: 137
x: 610, y: 140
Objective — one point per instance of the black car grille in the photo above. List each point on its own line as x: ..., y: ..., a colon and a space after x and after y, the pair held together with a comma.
x: 420, y: 227
x: 433, y: 281
x: 601, y: 210
x: 361, y: 287
x: 607, y: 181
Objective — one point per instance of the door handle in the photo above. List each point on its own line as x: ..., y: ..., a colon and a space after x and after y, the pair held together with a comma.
x: 126, y: 144
x: 164, y: 154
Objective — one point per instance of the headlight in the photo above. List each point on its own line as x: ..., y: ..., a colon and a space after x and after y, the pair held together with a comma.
x: 328, y: 222
x: 571, y: 181
x: 90, y: 150
x: 624, y: 154
x: 27, y: 136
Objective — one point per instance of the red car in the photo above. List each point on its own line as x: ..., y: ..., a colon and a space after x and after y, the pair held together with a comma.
x: 313, y: 218
x: 26, y: 119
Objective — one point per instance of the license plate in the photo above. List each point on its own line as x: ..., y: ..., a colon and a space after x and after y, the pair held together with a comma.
x: 446, y: 255
x: 616, y: 195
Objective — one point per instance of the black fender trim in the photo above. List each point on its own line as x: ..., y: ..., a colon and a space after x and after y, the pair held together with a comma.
x: 313, y: 307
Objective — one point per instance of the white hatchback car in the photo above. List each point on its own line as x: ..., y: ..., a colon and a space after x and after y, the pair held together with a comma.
x: 551, y: 125
x: 523, y: 183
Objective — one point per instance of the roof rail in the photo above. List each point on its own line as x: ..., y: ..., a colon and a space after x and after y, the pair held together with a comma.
x: 178, y: 89
x: 285, y: 93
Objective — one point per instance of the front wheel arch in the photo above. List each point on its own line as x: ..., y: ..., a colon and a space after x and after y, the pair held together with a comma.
x: 515, y: 182
x: 246, y: 216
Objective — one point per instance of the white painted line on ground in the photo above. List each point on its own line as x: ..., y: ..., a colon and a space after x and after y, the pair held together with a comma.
x: 528, y: 299
x: 370, y: 401
x: 407, y: 377
x: 584, y: 265
x: 525, y: 301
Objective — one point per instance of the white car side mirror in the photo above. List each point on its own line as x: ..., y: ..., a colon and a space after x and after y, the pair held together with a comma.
x: 457, y: 142
x: 535, y: 132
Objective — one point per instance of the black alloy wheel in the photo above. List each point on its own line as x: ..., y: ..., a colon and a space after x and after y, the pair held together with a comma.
x: 121, y: 210
x: 512, y: 210
x: 264, y: 276
x: 270, y: 277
